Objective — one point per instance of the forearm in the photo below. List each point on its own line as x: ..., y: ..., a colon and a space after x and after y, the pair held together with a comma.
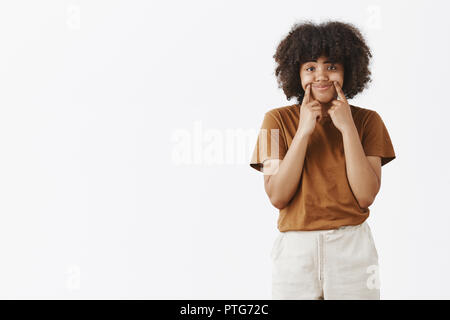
x: 361, y: 177
x: 284, y: 183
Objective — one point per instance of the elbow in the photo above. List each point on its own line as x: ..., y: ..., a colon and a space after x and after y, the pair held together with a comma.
x: 275, y: 198
x: 277, y: 203
x: 280, y: 206
x: 366, y: 202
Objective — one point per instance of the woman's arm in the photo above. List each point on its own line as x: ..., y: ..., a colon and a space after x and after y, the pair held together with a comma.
x: 282, y: 185
x: 362, y: 177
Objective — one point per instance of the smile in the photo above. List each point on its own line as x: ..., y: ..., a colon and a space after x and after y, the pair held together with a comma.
x: 322, y: 88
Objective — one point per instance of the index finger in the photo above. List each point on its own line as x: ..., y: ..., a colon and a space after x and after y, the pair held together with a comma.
x: 339, y: 91
x: 307, y: 93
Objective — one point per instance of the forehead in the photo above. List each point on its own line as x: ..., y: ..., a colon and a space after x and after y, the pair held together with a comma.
x: 321, y: 59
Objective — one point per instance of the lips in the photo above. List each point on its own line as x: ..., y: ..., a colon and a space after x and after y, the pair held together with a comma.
x: 322, y: 87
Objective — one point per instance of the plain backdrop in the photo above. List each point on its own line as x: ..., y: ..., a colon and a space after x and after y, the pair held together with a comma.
x: 127, y: 127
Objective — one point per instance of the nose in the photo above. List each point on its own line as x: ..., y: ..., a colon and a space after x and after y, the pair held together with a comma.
x: 321, y: 75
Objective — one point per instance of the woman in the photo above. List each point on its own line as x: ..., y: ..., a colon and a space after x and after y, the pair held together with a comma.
x: 322, y: 160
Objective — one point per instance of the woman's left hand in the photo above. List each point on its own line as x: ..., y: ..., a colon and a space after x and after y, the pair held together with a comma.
x: 340, y: 111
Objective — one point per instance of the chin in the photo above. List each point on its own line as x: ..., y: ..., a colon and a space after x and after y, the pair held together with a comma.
x: 324, y: 100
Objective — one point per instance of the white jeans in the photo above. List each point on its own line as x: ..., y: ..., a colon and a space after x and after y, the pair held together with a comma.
x: 326, y: 264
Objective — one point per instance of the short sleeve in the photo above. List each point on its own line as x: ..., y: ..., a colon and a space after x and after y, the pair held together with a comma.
x: 376, y: 140
x: 270, y: 143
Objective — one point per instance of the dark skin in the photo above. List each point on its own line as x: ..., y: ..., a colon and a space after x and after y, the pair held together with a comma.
x: 364, y: 172
x: 318, y: 73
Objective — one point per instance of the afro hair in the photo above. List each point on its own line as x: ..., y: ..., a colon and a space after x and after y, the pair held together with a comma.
x: 340, y: 42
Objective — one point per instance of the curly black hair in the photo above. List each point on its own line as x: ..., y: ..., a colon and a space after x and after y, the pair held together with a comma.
x: 341, y: 42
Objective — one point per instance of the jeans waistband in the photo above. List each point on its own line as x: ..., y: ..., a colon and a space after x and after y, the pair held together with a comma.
x: 327, y: 231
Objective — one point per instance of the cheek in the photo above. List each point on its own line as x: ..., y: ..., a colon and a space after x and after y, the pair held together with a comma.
x: 305, y: 79
x: 339, y: 78
x: 339, y: 81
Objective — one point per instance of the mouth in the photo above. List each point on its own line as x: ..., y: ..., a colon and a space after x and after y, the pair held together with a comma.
x: 322, y: 88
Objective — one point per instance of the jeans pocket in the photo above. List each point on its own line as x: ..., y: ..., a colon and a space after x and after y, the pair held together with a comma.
x: 277, y: 246
x: 371, y: 241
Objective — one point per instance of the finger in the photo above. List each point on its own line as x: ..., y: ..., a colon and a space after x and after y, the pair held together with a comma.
x: 335, y: 102
x: 319, y: 115
x: 314, y: 103
x: 339, y: 91
x: 316, y: 109
x: 307, y: 93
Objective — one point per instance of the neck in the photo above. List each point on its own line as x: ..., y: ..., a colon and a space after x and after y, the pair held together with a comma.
x: 325, y: 107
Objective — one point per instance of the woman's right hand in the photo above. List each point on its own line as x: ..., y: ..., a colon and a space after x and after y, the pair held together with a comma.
x: 310, y: 113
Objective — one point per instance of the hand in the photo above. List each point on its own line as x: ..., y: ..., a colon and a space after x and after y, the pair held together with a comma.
x: 340, y: 111
x: 310, y: 113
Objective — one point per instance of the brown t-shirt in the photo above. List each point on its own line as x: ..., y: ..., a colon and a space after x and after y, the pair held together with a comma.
x: 324, y: 199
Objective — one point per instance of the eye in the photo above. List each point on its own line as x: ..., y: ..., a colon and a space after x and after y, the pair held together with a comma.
x: 332, y: 66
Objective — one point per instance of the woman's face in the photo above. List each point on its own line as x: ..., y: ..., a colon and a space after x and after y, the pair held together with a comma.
x: 321, y: 73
